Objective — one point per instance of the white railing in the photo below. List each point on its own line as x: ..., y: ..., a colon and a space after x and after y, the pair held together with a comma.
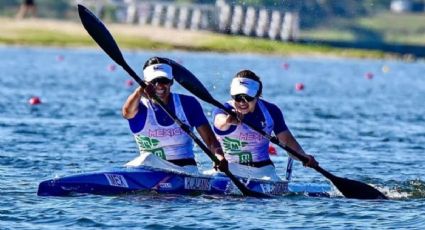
x: 274, y: 24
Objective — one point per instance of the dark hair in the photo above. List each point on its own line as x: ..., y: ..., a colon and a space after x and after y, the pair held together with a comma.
x: 155, y: 60
x: 251, y: 75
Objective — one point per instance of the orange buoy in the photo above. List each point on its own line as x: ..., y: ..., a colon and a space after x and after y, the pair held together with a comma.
x: 34, y: 100
x: 285, y: 66
x: 299, y: 86
x: 272, y: 150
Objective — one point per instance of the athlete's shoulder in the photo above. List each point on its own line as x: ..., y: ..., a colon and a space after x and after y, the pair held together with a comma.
x: 193, y: 110
x: 274, y: 110
x: 189, y: 102
x: 220, y: 111
x: 184, y: 97
x: 270, y: 105
x: 228, y: 105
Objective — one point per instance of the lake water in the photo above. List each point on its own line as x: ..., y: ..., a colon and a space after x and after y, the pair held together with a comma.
x: 371, y: 130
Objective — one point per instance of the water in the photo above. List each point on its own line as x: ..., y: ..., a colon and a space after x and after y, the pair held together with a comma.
x: 367, y: 130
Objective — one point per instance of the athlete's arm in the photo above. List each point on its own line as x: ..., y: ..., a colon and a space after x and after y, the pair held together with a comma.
x: 197, y: 119
x: 131, y: 106
x: 211, y: 141
x: 288, y: 139
x: 209, y: 138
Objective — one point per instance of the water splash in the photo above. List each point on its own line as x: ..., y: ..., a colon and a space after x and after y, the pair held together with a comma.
x: 414, y: 188
x: 402, y: 190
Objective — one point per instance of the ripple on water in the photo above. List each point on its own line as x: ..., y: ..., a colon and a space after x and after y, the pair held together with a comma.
x: 18, y: 162
x: 369, y: 131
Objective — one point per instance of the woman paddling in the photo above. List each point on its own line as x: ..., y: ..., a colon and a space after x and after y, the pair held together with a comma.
x: 156, y: 134
x: 244, y: 146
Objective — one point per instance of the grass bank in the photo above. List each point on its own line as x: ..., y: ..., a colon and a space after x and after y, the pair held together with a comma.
x: 43, y: 32
x: 406, y: 28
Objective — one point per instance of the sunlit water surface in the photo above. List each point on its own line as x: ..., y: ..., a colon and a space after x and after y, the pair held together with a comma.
x: 371, y: 130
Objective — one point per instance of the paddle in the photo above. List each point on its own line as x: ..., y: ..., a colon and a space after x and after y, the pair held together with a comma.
x: 104, y: 39
x: 349, y: 188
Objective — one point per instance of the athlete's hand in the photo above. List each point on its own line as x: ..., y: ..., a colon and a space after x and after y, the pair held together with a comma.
x: 223, y: 165
x: 312, y: 163
x: 149, y: 91
x: 234, y: 120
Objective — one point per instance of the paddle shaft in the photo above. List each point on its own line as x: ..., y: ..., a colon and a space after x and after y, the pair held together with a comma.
x: 104, y: 39
x: 349, y: 188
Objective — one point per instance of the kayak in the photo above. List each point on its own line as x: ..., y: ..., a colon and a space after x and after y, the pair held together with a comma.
x: 130, y: 180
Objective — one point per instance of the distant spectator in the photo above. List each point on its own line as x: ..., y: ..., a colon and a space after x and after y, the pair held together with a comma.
x: 28, y: 7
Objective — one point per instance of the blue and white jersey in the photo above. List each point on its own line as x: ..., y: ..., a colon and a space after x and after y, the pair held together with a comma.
x: 242, y: 144
x: 155, y: 132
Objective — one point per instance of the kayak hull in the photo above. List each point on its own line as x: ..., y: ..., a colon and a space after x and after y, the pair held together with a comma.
x: 126, y: 180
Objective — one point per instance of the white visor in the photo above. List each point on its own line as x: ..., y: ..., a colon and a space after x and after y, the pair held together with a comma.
x: 244, y: 86
x: 156, y: 71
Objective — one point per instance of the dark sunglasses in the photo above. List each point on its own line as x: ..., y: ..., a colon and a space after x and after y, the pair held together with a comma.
x: 242, y: 97
x: 161, y: 80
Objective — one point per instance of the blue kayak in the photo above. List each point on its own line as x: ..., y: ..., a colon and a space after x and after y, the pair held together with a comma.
x: 128, y: 180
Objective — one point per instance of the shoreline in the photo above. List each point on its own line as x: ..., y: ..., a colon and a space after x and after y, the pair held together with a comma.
x: 300, y: 55
x: 71, y: 34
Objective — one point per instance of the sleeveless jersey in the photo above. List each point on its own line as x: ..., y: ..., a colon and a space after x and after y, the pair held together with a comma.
x: 245, y: 145
x: 167, y: 142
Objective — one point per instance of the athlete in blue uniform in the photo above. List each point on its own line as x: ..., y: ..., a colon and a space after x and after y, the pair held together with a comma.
x: 243, y: 145
x: 155, y: 132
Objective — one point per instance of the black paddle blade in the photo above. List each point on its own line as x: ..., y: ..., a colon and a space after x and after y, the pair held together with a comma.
x: 100, y: 34
x: 104, y: 39
x: 186, y: 79
x: 351, y: 188
x: 357, y: 190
